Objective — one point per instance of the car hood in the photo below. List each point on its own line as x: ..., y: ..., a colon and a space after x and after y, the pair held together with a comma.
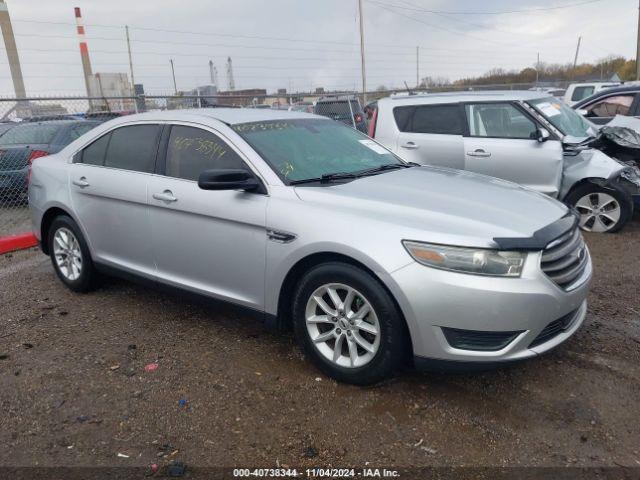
x: 440, y: 205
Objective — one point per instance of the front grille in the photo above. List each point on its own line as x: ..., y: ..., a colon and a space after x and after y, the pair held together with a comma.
x: 565, y: 259
x: 553, y: 329
x: 478, y: 340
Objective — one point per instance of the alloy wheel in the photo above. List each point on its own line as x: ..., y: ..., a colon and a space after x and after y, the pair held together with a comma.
x: 67, y: 254
x: 342, y: 325
x: 599, y: 212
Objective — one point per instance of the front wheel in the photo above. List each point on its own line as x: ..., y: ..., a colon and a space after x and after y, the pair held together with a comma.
x: 348, y: 324
x: 601, y: 209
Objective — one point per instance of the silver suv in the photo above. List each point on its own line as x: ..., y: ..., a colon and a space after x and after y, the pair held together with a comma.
x: 309, y: 223
x: 526, y: 137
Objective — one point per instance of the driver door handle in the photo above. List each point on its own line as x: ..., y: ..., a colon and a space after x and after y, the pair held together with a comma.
x: 166, y: 196
x: 82, y: 182
x: 479, y: 153
x: 410, y: 146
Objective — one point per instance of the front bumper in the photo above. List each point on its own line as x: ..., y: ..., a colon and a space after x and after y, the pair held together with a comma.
x: 431, y: 299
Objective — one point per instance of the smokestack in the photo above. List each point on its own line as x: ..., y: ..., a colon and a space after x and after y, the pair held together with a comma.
x: 211, y: 75
x: 232, y: 83
x: 12, y: 51
x: 84, y: 52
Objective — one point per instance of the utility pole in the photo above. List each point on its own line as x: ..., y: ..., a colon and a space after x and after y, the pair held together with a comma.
x: 133, y: 82
x: 575, y: 60
x: 418, y: 67
x: 538, y: 69
x: 364, y: 74
x: 638, y: 47
x: 173, y: 74
x: 12, y: 51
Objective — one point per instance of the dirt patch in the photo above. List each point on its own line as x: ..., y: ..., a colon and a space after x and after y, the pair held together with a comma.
x: 227, y: 392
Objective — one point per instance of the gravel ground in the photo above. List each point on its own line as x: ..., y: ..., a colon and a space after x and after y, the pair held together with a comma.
x: 15, y: 218
x: 74, y: 390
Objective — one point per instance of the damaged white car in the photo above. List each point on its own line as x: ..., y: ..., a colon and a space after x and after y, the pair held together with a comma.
x: 526, y: 137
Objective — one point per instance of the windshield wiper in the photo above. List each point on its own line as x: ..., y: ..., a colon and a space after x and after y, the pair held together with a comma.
x: 328, y: 177
x: 384, y: 168
x: 325, y: 178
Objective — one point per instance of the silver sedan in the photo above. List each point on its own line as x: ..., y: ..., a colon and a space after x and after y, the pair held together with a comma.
x: 309, y: 224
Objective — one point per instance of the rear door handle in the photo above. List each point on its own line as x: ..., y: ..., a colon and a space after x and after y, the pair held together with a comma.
x: 166, y: 196
x: 479, y: 153
x: 82, y: 182
x: 410, y: 146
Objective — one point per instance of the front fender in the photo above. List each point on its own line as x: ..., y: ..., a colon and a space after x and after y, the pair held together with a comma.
x: 588, y: 163
x: 281, y: 258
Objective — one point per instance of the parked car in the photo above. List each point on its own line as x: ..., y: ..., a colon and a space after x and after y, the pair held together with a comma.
x: 525, y: 137
x: 343, y: 108
x: 302, y: 107
x: 579, y: 91
x: 29, y: 140
x: 306, y: 222
x: 602, y: 107
x: 553, y: 91
x: 6, y: 126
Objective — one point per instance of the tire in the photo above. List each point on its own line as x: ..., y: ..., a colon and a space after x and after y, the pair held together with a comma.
x: 78, y: 274
x: 385, y: 350
x: 616, y: 205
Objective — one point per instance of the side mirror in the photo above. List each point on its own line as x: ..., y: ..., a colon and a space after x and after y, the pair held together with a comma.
x: 542, y: 135
x: 228, y: 179
x: 583, y: 112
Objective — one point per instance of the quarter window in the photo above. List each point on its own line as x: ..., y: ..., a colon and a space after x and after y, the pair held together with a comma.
x: 611, y: 106
x: 191, y: 151
x: 94, y: 153
x: 499, y: 120
x: 133, y: 148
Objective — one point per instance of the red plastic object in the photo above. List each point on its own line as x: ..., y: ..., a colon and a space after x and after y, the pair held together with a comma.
x: 151, y: 367
x: 17, y: 242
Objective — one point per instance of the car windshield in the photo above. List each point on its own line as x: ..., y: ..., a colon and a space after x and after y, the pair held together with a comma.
x: 563, y: 117
x: 30, y: 134
x: 302, y: 149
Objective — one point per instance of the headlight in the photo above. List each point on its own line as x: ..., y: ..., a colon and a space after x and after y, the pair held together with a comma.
x: 467, y: 260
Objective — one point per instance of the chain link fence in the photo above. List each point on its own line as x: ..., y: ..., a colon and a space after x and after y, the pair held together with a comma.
x: 37, y: 127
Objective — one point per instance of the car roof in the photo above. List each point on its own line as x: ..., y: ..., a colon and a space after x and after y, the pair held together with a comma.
x: 606, y: 92
x: 474, y: 96
x: 61, y: 123
x: 230, y: 116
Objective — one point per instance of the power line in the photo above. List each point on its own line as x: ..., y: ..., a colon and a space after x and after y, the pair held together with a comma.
x: 502, y: 12
x: 437, y: 27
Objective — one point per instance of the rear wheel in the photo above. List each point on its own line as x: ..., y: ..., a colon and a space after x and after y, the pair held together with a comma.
x: 348, y: 324
x: 70, y: 255
x: 601, y: 209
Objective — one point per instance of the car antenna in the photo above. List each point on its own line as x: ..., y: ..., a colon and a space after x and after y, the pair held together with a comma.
x: 408, y: 89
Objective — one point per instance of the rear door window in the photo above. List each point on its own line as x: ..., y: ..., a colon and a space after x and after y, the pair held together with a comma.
x: 434, y: 119
x: 133, y: 148
x: 192, y: 150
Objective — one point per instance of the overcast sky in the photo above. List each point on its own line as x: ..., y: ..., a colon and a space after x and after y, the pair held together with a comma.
x: 303, y: 44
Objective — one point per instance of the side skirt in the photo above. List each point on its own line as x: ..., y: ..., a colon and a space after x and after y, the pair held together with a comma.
x: 271, y: 321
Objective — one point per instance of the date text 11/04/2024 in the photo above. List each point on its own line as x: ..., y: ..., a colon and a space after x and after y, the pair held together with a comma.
x: 316, y: 472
